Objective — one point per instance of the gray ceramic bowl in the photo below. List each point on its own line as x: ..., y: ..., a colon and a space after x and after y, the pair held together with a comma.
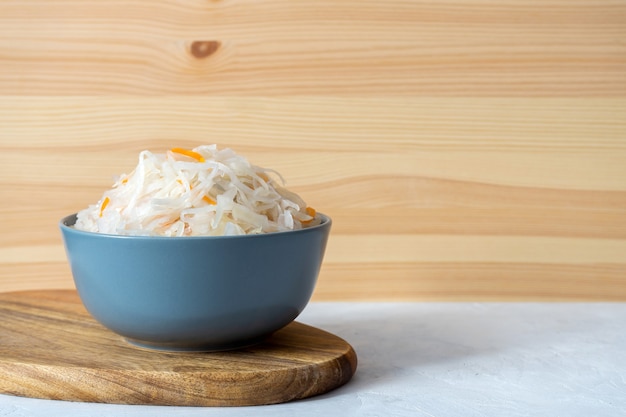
x: 195, y: 293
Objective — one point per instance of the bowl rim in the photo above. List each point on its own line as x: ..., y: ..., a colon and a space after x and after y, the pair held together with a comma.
x: 66, y: 225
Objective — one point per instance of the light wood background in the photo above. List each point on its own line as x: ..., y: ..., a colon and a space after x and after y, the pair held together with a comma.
x: 466, y: 150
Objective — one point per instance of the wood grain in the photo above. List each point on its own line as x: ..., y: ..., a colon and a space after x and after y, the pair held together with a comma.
x: 283, y: 47
x: 51, y: 348
x: 465, y: 150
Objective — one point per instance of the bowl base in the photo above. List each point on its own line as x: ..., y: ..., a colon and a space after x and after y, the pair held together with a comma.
x: 165, y: 347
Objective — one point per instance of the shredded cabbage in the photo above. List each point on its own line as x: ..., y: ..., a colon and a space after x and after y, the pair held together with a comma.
x: 204, y: 191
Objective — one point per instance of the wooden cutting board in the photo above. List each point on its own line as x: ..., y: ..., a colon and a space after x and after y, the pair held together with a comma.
x: 50, y: 347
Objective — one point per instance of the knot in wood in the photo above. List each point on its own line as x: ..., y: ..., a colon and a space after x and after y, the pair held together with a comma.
x: 203, y: 49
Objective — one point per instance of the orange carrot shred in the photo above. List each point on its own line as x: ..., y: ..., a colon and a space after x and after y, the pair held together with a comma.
x: 104, y: 205
x: 311, y: 212
x: 209, y: 200
x: 187, y: 152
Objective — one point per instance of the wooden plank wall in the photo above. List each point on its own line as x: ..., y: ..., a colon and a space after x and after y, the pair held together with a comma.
x: 466, y: 150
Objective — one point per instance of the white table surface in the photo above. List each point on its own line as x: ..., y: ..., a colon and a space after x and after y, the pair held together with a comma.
x: 443, y: 359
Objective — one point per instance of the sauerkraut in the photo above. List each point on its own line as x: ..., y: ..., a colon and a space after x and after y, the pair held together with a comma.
x: 198, y: 192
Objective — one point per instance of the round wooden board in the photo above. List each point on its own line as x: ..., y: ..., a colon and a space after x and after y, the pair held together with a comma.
x: 50, y: 347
